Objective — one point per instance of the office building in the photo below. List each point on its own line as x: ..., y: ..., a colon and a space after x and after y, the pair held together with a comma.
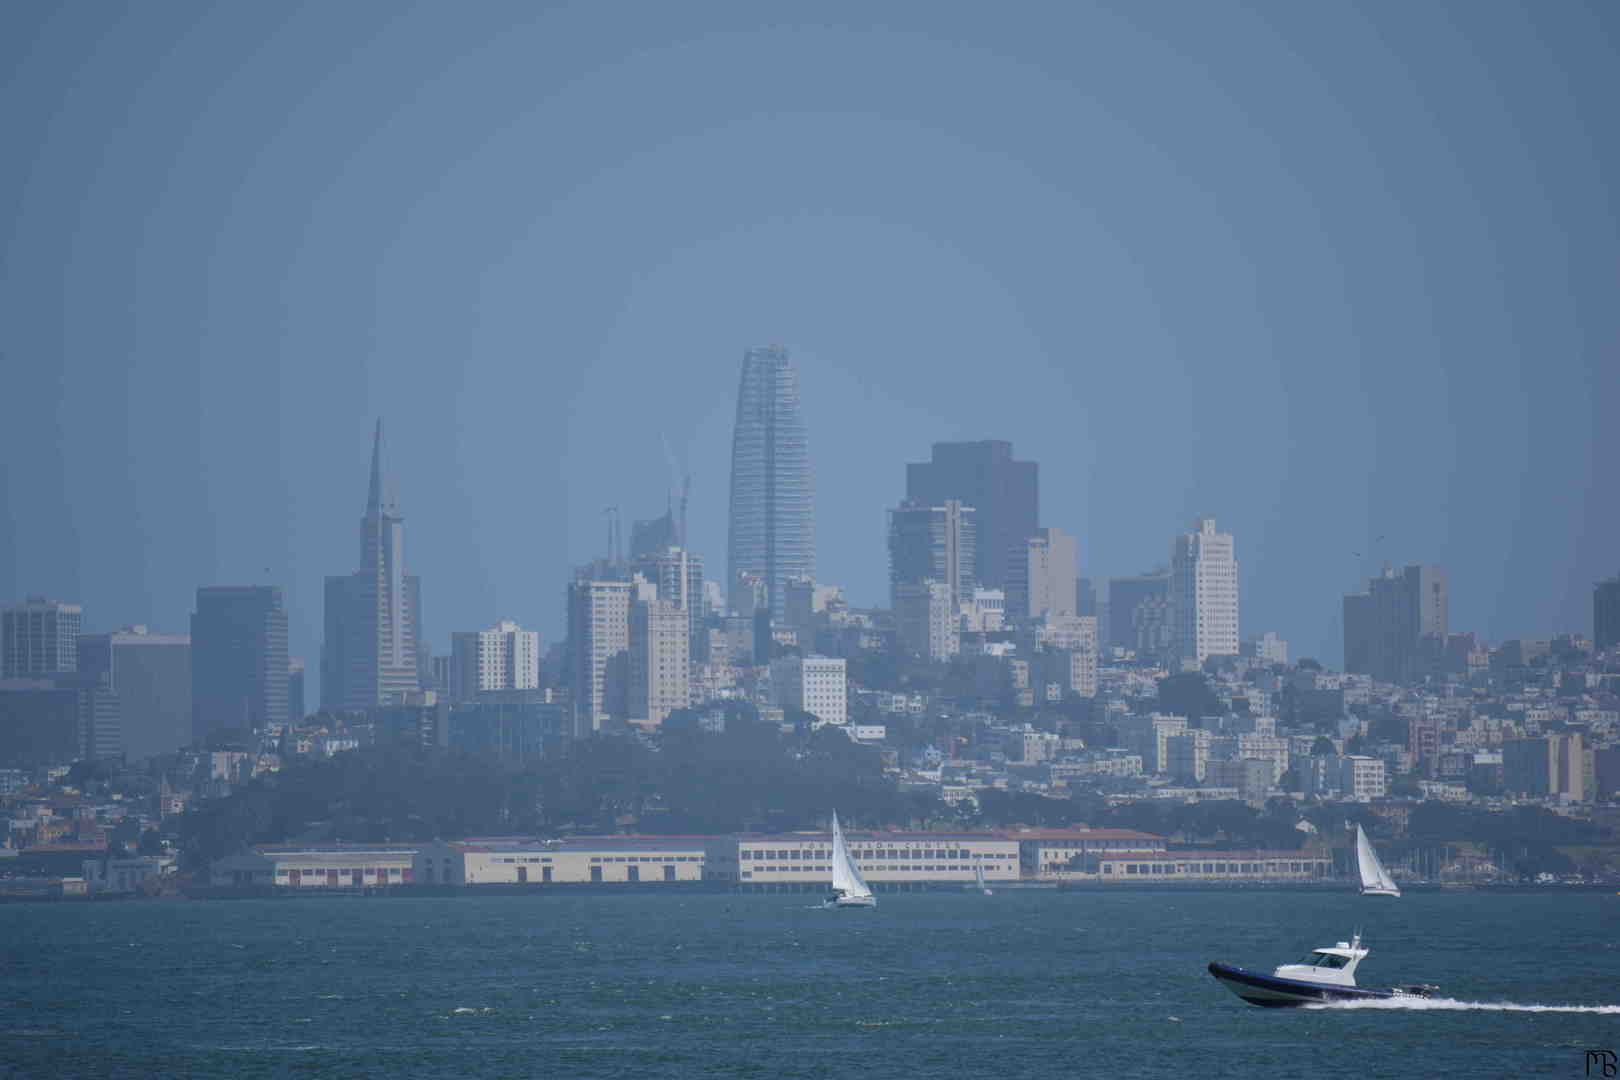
x: 39, y: 638
x: 372, y: 648
x: 295, y: 689
x: 1085, y: 598
x: 238, y: 659
x: 815, y: 684
x: 772, y: 526
x: 1606, y: 614
x: 599, y: 648
x: 1003, y: 492
x: 1548, y: 765
x: 151, y: 676
x: 1386, y: 627
x: 503, y: 657
x: 933, y: 543
x: 1041, y: 576
x: 1138, y: 613
x: 1203, y: 594
x: 46, y: 722
x: 927, y: 622
x: 678, y: 573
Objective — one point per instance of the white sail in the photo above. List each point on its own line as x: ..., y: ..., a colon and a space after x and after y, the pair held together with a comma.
x: 1375, y: 880
x: 848, y: 886
x: 978, y: 877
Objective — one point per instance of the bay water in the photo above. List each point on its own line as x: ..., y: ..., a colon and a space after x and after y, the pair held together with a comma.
x: 1025, y: 983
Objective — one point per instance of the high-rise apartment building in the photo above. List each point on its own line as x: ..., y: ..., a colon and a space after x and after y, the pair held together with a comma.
x: 151, y: 674
x: 1041, y: 576
x: 371, y: 651
x: 1203, y: 594
x: 933, y: 544
x: 238, y: 659
x: 1606, y: 614
x: 772, y: 534
x: 503, y: 657
x: 660, y: 664
x: 1004, y: 494
x: 1385, y: 627
x: 39, y: 638
x: 599, y: 648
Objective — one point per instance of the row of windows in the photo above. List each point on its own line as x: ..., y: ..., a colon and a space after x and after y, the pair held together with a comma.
x: 646, y: 858
x: 878, y: 853
x: 1220, y: 868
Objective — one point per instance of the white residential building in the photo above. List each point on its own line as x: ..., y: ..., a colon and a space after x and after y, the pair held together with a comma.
x: 1203, y: 594
x: 503, y: 657
x: 660, y: 661
x: 598, y: 648
x: 816, y: 684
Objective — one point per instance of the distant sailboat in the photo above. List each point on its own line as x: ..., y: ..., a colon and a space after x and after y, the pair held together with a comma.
x: 849, y: 889
x: 1375, y: 880
x: 978, y: 878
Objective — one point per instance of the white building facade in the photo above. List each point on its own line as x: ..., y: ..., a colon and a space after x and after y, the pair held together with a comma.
x: 817, y: 684
x: 1203, y: 594
x: 503, y: 657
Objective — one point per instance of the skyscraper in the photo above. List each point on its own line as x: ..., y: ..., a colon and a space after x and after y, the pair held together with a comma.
x: 373, y: 616
x: 1606, y: 614
x: 772, y: 534
x: 1385, y: 627
x: 1203, y: 594
x: 40, y: 638
x: 238, y: 659
x: 151, y: 674
x: 1041, y: 575
x: 1004, y: 493
x: 933, y: 543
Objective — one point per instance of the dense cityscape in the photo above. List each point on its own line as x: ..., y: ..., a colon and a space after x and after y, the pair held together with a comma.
x: 1003, y: 711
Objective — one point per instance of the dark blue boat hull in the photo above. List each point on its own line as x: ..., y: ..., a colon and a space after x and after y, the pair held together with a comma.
x: 1271, y: 992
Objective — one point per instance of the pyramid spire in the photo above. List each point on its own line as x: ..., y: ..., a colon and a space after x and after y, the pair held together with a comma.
x: 375, y: 497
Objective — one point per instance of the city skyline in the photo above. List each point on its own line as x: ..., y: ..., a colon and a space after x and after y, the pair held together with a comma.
x: 1373, y: 307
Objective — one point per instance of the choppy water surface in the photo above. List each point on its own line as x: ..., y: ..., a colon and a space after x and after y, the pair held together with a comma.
x: 1021, y: 984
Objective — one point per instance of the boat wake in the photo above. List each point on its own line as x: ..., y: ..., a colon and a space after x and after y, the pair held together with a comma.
x: 1453, y: 1005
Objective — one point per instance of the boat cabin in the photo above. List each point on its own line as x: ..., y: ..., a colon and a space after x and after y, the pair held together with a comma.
x: 1336, y: 965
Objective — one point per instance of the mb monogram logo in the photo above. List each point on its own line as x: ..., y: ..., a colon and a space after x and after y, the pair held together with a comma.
x: 1602, y: 1063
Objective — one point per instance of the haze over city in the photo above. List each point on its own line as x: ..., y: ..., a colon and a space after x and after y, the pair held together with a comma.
x: 1329, y: 275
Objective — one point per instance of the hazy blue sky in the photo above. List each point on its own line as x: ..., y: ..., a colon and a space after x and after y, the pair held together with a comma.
x: 1326, y: 271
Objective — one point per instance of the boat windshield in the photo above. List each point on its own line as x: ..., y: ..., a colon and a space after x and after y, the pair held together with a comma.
x: 1326, y: 960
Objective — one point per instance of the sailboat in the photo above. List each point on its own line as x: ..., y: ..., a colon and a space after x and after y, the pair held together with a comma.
x: 1375, y: 880
x: 978, y: 879
x: 848, y: 888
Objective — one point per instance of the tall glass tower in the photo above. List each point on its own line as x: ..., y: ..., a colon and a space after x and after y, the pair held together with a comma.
x: 772, y: 535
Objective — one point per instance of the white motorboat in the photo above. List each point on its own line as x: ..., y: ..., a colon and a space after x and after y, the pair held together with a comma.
x: 849, y: 889
x: 1375, y: 880
x: 1324, y: 975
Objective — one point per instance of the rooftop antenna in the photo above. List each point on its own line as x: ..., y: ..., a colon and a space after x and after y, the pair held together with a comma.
x: 686, y: 495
